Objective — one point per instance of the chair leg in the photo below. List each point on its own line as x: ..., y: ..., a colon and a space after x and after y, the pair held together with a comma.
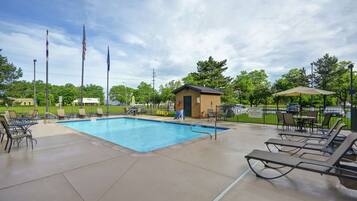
x: 7, y: 142
x: 10, y: 146
x: 2, y: 138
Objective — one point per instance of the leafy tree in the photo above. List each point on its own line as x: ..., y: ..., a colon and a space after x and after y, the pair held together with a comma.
x: 254, y: 86
x: 166, y: 90
x: 144, y: 93
x: 69, y: 92
x: 341, y: 82
x: 326, y: 70
x: 210, y: 74
x: 8, y: 73
x: 294, y: 78
x: 94, y: 91
x: 121, y: 93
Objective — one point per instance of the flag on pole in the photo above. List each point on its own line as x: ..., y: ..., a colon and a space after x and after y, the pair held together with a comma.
x: 108, y: 59
x: 84, y: 45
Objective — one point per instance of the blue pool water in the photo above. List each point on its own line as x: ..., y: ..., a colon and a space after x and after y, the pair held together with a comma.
x: 140, y: 135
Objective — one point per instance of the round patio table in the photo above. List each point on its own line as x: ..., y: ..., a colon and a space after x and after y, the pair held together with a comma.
x: 301, y: 121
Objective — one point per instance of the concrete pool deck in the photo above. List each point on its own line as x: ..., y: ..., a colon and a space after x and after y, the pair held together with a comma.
x: 67, y: 165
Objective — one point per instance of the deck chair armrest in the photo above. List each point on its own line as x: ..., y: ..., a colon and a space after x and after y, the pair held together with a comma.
x: 309, y: 153
x: 317, y: 164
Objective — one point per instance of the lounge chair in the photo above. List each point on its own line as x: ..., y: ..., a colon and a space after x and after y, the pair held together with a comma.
x: 321, y: 135
x: 327, y: 145
x: 12, y: 115
x: 13, y: 134
x: 61, y: 114
x: 99, y: 112
x: 334, y: 164
x: 82, y: 113
x: 325, y: 122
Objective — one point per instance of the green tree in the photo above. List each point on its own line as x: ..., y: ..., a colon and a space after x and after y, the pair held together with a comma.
x: 94, y: 91
x: 144, y: 93
x: 166, y: 90
x: 8, y: 73
x: 69, y: 93
x: 294, y: 78
x: 326, y: 70
x: 210, y: 74
x: 121, y: 93
x: 253, y: 87
x: 341, y: 82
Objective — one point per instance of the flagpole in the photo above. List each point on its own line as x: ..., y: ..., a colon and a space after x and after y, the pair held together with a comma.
x: 108, y: 64
x: 83, y: 57
x: 46, y: 115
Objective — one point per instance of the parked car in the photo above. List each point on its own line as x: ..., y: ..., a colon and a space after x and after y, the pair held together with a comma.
x: 293, y: 108
x: 335, y: 111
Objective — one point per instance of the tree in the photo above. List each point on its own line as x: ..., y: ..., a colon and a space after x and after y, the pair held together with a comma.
x: 166, y: 90
x: 94, y: 91
x: 8, y: 73
x: 144, y: 93
x: 341, y: 82
x: 69, y: 92
x: 294, y: 78
x: 326, y: 69
x: 121, y: 93
x: 253, y: 87
x: 210, y: 74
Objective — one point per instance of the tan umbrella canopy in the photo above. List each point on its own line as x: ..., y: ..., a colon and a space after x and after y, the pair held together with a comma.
x: 298, y: 91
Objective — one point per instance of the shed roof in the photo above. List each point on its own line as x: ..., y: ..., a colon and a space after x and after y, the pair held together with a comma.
x: 202, y: 90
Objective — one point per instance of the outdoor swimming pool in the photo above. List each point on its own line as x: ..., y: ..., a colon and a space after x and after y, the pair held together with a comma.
x: 138, y: 134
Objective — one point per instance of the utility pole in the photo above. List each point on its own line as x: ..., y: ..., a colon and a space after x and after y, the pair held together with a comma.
x: 34, y: 84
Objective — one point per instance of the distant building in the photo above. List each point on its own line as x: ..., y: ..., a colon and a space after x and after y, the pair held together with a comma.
x: 87, y: 101
x: 197, y: 100
x: 22, y: 101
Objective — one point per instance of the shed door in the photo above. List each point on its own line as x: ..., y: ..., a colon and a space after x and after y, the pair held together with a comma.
x: 187, y: 106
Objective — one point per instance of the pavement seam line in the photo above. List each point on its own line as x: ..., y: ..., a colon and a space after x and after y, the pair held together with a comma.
x: 111, y: 186
x: 226, y: 190
x: 75, y: 190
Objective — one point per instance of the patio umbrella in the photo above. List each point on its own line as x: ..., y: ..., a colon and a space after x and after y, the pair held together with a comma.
x: 298, y: 91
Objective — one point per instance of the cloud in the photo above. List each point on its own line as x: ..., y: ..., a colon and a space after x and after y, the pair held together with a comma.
x: 171, y: 36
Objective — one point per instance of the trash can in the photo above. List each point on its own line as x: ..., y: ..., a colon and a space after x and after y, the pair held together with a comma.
x: 354, y: 119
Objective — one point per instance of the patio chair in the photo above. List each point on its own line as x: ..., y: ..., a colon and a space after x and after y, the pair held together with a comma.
x: 289, y: 120
x: 61, y: 114
x: 12, y: 114
x: 14, y: 135
x: 32, y: 114
x: 326, y: 146
x: 99, y: 112
x: 280, y: 119
x: 325, y: 122
x: 210, y: 114
x: 82, y: 113
x: 333, y: 165
x: 323, y: 134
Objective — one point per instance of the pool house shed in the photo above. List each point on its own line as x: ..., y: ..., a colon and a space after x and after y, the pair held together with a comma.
x: 197, y: 100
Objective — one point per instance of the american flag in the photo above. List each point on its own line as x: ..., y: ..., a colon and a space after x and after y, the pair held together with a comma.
x: 108, y: 59
x: 47, y: 44
x: 84, y: 48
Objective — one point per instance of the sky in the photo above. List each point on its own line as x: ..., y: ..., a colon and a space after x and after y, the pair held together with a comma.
x: 171, y: 36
